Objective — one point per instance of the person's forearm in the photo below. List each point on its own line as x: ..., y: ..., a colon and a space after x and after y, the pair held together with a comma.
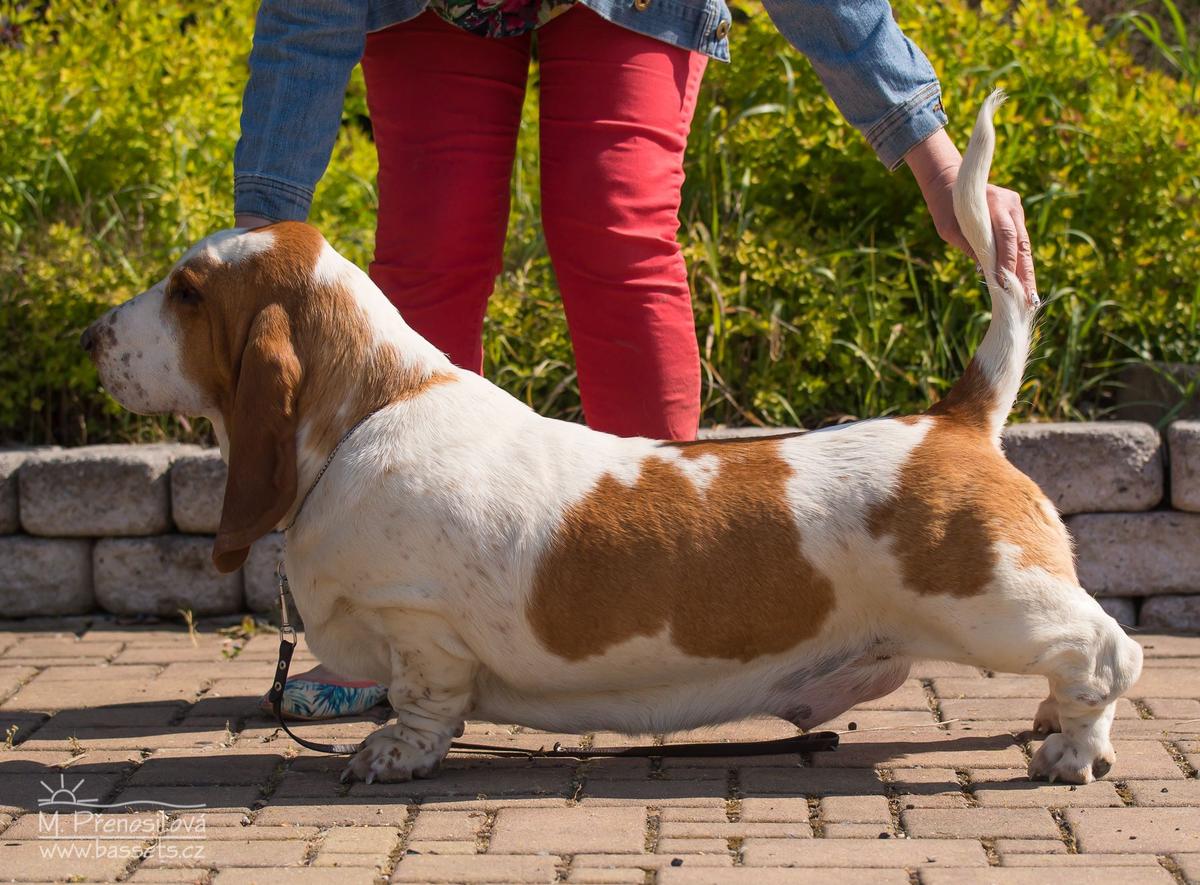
x: 934, y: 161
x: 881, y: 82
x: 303, y: 53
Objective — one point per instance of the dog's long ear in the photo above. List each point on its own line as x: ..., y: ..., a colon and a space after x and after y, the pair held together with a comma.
x: 261, y: 487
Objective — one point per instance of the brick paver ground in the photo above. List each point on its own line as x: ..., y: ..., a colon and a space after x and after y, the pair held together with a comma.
x: 928, y: 786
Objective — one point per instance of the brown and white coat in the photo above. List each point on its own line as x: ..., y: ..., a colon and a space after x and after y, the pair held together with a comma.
x: 482, y: 560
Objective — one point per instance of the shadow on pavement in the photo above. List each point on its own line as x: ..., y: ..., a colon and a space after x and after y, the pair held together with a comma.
x: 134, y: 758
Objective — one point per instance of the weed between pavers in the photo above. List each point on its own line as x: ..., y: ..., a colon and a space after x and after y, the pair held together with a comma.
x: 189, y: 619
x: 989, y: 848
x: 271, y: 784
x: 1142, y: 709
x: 314, y: 845
x: 733, y: 796
x: 401, y: 846
x: 931, y: 698
x: 888, y: 779
x: 734, y: 846
x: 1064, y: 829
x: 964, y: 784
x: 578, y: 782
x: 1125, y: 794
x: 1169, y: 864
x: 814, y: 816
x: 1180, y: 759
x: 483, y: 836
x: 653, y: 828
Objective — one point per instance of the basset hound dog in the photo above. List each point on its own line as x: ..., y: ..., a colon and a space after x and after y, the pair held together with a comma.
x: 484, y: 561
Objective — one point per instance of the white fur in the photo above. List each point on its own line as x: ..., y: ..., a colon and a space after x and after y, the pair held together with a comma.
x: 416, y: 554
x: 138, y: 358
x: 1004, y: 348
x: 234, y: 245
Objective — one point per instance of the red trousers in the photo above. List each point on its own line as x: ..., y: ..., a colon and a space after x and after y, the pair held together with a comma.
x: 616, y: 108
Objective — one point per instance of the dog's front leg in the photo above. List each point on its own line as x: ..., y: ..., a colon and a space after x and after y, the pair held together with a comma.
x: 430, y: 690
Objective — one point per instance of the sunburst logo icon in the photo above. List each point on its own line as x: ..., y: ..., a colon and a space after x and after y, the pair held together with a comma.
x: 62, y: 794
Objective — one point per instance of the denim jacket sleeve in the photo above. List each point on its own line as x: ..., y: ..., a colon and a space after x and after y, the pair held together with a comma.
x: 880, y: 81
x: 304, y: 51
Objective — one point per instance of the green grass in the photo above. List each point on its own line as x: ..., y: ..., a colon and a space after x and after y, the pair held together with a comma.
x: 1176, y: 45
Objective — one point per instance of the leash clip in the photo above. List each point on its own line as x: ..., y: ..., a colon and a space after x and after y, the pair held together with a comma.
x: 287, y: 632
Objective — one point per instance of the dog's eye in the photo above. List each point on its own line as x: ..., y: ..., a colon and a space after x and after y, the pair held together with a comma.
x: 186, y: 294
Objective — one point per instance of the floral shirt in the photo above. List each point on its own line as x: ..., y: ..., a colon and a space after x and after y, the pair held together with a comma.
x: 499, y: 18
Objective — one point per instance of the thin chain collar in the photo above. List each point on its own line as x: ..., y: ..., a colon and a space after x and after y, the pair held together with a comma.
x: 333, y: 454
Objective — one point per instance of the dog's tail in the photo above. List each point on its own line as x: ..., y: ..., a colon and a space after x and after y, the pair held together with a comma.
x: 984, y: 396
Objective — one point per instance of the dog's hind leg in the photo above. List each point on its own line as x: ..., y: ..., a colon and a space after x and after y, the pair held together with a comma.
x: 1088, y: 669
x: 430, y: 690
x: 1030, y: 622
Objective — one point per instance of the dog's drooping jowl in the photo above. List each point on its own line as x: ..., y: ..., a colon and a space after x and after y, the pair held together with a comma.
x: 484, y: 561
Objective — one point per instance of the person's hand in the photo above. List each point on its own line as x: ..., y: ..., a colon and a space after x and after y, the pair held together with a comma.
x: 243, y: 219
x: 934, y: 163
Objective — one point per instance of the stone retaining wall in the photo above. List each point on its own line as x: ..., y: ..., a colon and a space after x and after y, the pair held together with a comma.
x: 128, y: 529
x: 124, y: 529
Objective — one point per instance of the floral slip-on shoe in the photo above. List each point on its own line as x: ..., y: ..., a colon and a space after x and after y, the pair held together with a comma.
x: 322, y: 694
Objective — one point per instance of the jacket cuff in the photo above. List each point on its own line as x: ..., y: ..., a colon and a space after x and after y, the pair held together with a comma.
x: 907, y: 125
x: 273, y: 198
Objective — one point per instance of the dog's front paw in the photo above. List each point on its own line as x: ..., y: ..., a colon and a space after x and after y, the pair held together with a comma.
x: 1058, y: 759
x: 393, y: 755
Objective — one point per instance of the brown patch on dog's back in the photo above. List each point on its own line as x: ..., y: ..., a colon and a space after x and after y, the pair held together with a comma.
x: 721, y: 568
x: 957, y: 497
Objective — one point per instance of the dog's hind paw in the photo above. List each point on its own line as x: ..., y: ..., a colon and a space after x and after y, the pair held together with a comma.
x: 1058, y: 759
x: 393, y: 755
x: 1045, y: 720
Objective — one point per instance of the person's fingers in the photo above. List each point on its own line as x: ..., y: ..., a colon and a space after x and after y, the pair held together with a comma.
x: 1025, y: 270
x: 954, y: 236
x: 1005, y: 232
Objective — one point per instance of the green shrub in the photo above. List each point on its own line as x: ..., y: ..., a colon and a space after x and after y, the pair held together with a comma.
x: 115, y: 155
x: 821, y: 283
x: 821, y: 288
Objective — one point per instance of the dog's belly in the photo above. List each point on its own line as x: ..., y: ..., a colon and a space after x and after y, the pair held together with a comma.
x: 807, y: 697
x: 806, y: 691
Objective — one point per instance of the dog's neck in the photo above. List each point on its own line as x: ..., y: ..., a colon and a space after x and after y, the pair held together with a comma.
x: 377, y: 360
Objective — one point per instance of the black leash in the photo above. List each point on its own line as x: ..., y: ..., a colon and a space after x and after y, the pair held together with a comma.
x: 805, y: 743
x: 287, y: 645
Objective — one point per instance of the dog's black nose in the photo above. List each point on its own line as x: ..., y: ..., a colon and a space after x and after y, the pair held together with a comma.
x: 87, y: 340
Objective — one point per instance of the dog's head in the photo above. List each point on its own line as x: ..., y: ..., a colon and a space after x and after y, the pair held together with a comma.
x: 272, y: 335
